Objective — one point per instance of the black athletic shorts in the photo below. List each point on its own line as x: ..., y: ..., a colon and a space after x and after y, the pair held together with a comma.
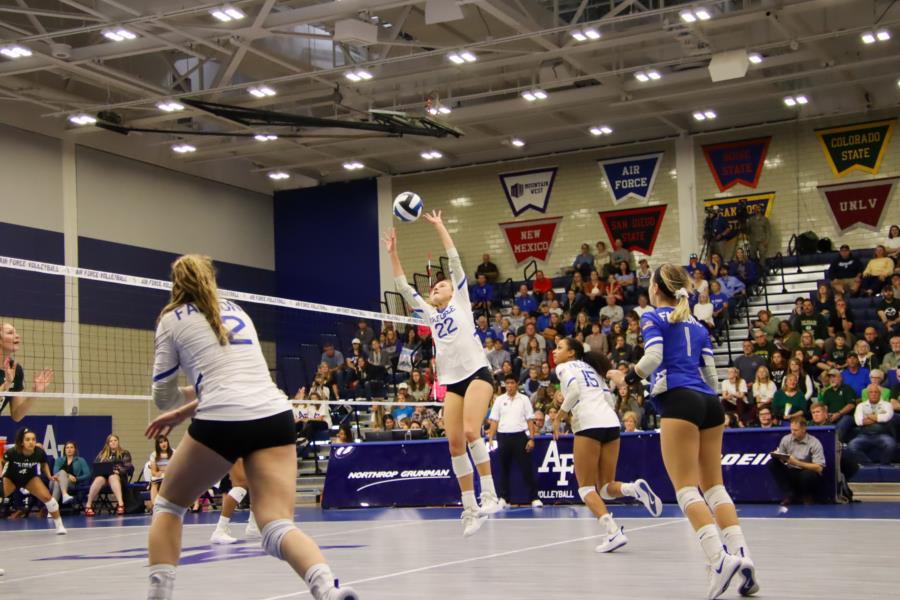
x: 702, y: 410
x: 604, y: 435
x: 19, y: 480
x: 238, y: 439
x: 459, y: 388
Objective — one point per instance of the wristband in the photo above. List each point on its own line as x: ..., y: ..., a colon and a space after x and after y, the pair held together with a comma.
x: 631, y: 377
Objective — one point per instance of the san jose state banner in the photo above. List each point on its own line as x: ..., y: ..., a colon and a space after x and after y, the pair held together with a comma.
x: 741, y: 162
x: 631, y: 176
x: 528, y: 190
x: 531, y: 239
x: 729, y: 206
x: 636, y: 227
x: 858, y: 204
x: 858, y: 147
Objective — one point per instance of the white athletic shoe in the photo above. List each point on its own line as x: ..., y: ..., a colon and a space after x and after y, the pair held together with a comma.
x: 60, y: 530
x: 613, y: 541
x: 490, y: 504
x: 503, y: 504
x: 66, y: 499
x: 647, y: 497
x: 2, y: 572
x: 161, y: 587
x: 339, y: 593
x: 222, y: 536
x: 472, y: 521
x: 252, y: 531
x: 536, y: 503
x: 749, y: 585
x: 720, y: 575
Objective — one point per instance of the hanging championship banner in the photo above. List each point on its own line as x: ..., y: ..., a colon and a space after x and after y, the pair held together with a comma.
x: 735, y: 208
x: 531, y: 239
x: 636, y: 227
x: 858, y: 147
x: 861, y: 203
x: 528, y: 189
x: 741, y: 162
x: 631, y: 176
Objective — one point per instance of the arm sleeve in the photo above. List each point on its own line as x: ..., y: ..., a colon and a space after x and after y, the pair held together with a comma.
x: 886, y: 415
x: 709, y: 371
x: 411, y: 296
x: 166, y: 394
x: 653, y: 345
x: 783, y: 445
x: 458, y: 276
x: 818, y: 454
x: 529, y: 410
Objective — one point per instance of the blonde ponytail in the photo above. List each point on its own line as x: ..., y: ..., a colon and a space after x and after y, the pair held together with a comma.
x: 674, y: 283
x: 194, y: 280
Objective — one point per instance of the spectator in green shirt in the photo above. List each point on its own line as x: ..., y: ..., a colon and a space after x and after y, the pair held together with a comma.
x: 789, y: 401
x: 841, y: 402
x: 876, y: 376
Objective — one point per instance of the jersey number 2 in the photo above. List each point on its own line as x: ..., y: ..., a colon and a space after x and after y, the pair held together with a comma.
x: 234, y: 326
x: 445, y: 328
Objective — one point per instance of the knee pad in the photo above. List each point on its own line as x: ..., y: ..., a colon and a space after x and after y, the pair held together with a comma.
x: 52, y: 505
x: 161, y: 505
x: 462, y: 466
x: 585, y: 491
x: 604, y: 492
x: 273, y: 534
x: 687, y: 496
x: 716, y: 496
x: 479, y: 451
x: 238, y: 494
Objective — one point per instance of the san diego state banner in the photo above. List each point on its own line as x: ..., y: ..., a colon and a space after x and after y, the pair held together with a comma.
x: 531, y: 239
x: 730, y: 206
x: 636, y: 227
x: 631, y: 176
x: 858, y: 147
x: 528, y: 189
x: 741, y: 162
x: 858, y: 204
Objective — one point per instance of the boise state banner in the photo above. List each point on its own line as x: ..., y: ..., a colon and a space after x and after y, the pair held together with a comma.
x: 531, y: 239
x: 859, y: 147
x: 528, y: 190
x: 741, y: 162
x: 636, y: 227
x: 631, y: 176
x: 729, y: 206
x: 858, y: 204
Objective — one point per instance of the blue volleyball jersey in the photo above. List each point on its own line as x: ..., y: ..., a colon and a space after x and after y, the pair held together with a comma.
x: 684, y: 345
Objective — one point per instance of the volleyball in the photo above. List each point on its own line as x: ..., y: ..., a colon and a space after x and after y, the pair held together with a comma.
x: 407, y: 206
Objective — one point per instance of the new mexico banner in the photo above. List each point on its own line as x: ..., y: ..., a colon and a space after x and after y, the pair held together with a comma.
x: 631, y: 176
x: 737, y: 162
x: 528, y: 189
x: 861, y: 147
x: 729, y: 206
x: 860, y: 204
x: 531, y: 239
x: 636, y: 227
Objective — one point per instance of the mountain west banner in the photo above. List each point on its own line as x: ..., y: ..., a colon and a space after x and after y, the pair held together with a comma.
x: 531, y: 239
x: 631, y: 176
x: 729, y: 206
x: 861, y: 147
x: 636, y: 227
x: 861, y: 203
x: 528, y: 189
x: 741, y: 162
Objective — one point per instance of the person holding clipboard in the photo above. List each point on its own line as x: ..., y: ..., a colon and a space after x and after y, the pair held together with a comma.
x: 797, y: 463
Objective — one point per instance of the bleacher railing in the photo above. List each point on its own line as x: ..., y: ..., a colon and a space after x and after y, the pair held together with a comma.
x: 530, y: 270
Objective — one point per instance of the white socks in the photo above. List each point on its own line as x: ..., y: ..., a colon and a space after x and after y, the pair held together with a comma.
x: 609, y: 524
x: 162, y: 582
x: 487, y: 485
x: 223, y: 522
x: 708, y: 536
x: 628, y: 490
x: 735, y: 542
x: 320, y: 579
x: 468, y: 500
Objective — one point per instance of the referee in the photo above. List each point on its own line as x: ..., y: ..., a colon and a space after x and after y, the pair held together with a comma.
x: 512, y: 420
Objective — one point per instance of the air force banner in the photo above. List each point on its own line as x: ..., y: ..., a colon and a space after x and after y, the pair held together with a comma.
x: 631, y: 176
x: 528, y: 189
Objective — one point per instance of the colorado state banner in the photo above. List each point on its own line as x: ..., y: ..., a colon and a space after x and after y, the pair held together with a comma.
x: 858, y: 147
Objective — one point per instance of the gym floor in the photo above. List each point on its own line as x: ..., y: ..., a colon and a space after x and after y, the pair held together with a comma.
x: 808, y: 552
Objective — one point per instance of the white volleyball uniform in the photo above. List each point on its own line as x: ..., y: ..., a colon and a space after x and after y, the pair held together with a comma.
x: 232, y: 381
x: 587, y: 398
x: 459, y: 353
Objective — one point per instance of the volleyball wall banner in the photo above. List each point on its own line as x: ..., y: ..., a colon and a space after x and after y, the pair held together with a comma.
x: 741, y: 162
x: 528, y: 190
x: 729, y: 206
x: 631, y: 177
x: 859, y: 204
x: 636, y: 227
x: 859, y: 147
x: 531, y: 239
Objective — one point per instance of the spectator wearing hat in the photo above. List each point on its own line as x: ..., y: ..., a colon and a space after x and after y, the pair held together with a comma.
x: 694, y: 264
x: 840, y: 400
x: 799, y: 461
x: 512, y: 422
x: 402, y: 410
x: 845, y: 273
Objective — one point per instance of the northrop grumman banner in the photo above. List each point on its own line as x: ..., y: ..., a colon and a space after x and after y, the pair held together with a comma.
x: 528, y: 189
x: 418, y: 473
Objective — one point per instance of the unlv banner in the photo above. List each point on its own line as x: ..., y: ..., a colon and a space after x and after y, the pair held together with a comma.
x: 631, y: 176
x: 636, y: 227
x: 528, y: 189
x: 418, y: 473
x: 741, y: 162
x: 732, y: 206
x: 861, y: 147
x: 531, y: 239
x: 860, y: 204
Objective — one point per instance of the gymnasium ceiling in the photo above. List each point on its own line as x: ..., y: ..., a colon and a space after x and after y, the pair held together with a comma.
x: 808, y: 47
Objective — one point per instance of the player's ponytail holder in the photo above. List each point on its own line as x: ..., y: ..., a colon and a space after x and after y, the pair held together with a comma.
x: 681, y: 293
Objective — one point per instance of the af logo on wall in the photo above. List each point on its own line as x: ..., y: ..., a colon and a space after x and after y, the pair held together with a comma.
x: 858, y: 147
x: 528, y: 190
x: 631, y: 176
x: 858, y: 204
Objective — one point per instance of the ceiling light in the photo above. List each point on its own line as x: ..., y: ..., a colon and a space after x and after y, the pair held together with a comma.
x: 755, y: 58
x: 688, y: 16
x: 183, y: 148
x: 15, y: 51
x: 431, y: 155
x: 883, y: 35
x: 387, y: 24
x: 119, y: 34
x: 540, y: 94
x: 583, y: 35
x: 529, y: 95
x: 795, y: 100
x: 82, y: 119
x: 358, y: 75
x: 703, y: 14
x: 354, y: 165
x: 642, y: 77
x: 456, y: 58
x: 802, y: 100
x: 517, y: 142
x: 592, y: 34
x: 654, y: 75
x: 170, y: 106
x: 261, y: 91
x: 444, y: 110
x: 265, y: 137
x: 278, y: 175
x: 601, y: 130
x: 709, y: 114
x: 227, y: 13
x: 699, y: 116
x: 468, y: 56
x: 434, y: 110
x: 868, y: 38
x: 578, y: 35
x: 789, y: 101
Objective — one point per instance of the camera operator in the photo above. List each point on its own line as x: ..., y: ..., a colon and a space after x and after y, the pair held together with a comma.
x: 722, y: 234
x: 759, y: 231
